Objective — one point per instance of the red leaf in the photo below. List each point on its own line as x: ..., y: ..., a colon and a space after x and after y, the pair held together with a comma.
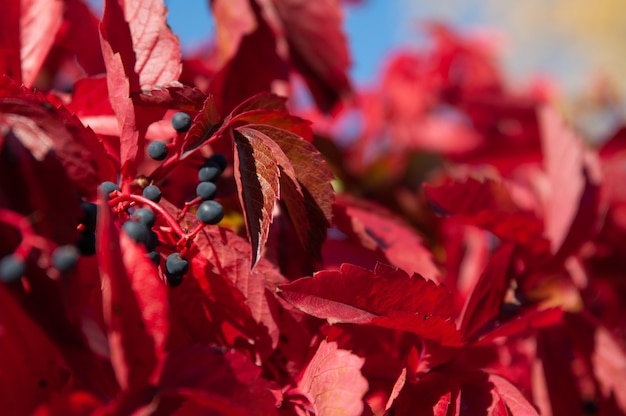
x: 81, y: 37
x: 555, y: 389
x: 262, y: 101
x: 10, y: 61
x: 140, y: 52
x: 571, y: 204
x: 315, y: 179
x: 332, y: 382
x: 33, y: 371
x: 138, y: 31
x: 135, y: 305
x: 516, y: 403
x: 253, y: 43
x: 434, y: 394
x: 40, y: 21
x: 317, y: 47
x: 257, y: 176
x: 229, y: 256
x: 376, y: 228
x: 609, y: 366
x: 77, y: 403
x: 32, y: 178
x: 488, y: 204
x: 280, y: 119
x: 174, y: 96
x: 387, y: 297
x: 488, y: 294
x: 224, y: 381
x: 43, y: 129
x: 204, y: 125
x: 533, y: 318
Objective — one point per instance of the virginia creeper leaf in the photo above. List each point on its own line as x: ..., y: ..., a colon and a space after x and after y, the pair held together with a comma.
x: 386, y: 297
x: 140, y: 52
x: 572, y: 172
x: 434, y: 394
x: 32, y: 368
x: 488, y: 204
x: 257, y: 179
x: 488, y: 294
x: 135, y: 305
x: 242, y: 76
x: 204, y: 125
x: 33, y: 181
x: 332, y: 381
x: 317, y: 47
x: 40, y: 21
x: 376, y: 228
x: 315, y: 179
x: 516, y: 403
x: 224, y: 381
x: 10, y: 63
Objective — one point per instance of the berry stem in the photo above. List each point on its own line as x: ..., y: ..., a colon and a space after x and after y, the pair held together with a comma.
x: 195, y: 231
x: 155, y: 207
x: 30, y: 239
x: 188, y: 204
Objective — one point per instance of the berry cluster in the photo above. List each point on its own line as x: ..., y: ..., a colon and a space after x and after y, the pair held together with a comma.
x: 141, y: 211
x: 209, y: 212
x: 57, y: 259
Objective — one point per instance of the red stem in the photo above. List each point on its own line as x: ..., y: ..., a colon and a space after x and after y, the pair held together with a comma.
x: 156, y: 207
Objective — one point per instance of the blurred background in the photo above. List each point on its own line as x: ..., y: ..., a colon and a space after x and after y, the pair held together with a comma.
x: 576, y: 46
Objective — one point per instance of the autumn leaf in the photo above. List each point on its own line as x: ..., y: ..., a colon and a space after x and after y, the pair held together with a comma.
x: 10, y: 63
x: 489, y: 205
x: 386, y: 297
x: 573, y: 174
x: 318, y: 48
x: 40, y: 20
x: 140, y: 52
x: 135, y: 305
x: 33, y: 369
x: 257, y: 178
x: 331, y: 384
x: 271, y: 163
x: 435, y: 394
x: 219, y: 381
x: 516, y: 403
x: 375, y: 228
x: 245, y: 39
x: 487, y: 296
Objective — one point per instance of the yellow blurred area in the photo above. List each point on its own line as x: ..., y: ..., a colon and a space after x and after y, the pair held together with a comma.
x: 579, y: 44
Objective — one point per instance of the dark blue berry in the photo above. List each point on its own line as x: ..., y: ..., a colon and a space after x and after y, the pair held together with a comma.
x: 108, y: 187
x: 144, y: 216
x: 87, y: 243
x: 210, y: 212
x: 212, y: 168
x: 157, y: 150
x: 136, y: 231
x: 64, y: 258
x: 90, y: 215
x: 11, y: 268
x: 174, y: 279
x: 152, y: 192
x: 154, y: 257
x: 176, y: 265
x: 206, y: 190
x: 152, y: 241
x: 220, y: 159
x: 181, y: 122
x: 209, y: 172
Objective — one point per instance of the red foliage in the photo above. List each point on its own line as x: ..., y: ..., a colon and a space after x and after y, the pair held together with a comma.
x: 494, y: 289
